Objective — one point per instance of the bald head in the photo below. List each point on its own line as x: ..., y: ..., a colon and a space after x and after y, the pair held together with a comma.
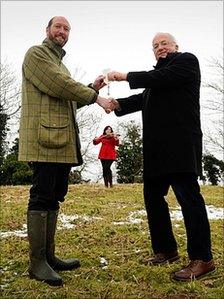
x: 163, y: 43
x: 58, y: 30
x: 57, y: 18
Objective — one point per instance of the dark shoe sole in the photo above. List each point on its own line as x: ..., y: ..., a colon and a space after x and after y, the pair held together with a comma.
x: 169, y: 261
x: 193, y: 277
x: 51, y: 282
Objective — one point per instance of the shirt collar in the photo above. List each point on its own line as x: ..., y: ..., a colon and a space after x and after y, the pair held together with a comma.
x: 163, y: 61
x: 57, y: 49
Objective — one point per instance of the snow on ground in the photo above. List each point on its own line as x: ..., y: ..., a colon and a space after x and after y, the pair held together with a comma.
x: 136, y: 217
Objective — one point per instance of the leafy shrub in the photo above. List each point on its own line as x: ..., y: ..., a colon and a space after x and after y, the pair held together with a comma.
x: 130, y: 160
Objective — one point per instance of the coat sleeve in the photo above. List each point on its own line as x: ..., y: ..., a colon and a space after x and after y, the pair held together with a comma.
x: 183, y: 69
x: 97, y: 140
x: 117, y: 142
x: 46, y: 75
x: 130, y: 104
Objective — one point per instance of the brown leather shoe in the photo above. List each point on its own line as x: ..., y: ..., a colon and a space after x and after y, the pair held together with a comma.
x: 162, y: 258
x: 194, y: 270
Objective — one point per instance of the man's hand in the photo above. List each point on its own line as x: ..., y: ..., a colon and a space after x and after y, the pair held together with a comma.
x: 114, y: 104
x: 99, y: 82
x: 108, y: 105
x: 116, y: 76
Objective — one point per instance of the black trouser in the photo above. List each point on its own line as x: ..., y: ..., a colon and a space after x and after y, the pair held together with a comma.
x: 106, y: 164
x: 50, y: 185
x: 187, y: 192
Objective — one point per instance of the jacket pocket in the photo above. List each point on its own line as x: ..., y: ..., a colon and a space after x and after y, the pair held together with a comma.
x: 52, y: 135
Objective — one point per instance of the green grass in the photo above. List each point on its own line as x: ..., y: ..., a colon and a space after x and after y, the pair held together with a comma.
x: 123, y: 246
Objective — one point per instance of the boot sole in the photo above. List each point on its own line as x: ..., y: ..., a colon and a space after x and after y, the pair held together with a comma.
x: 58, y: 282
x: 193, y: 277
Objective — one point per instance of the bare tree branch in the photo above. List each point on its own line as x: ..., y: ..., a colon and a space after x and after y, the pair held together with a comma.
x: 9, y: 101
x: 215, y: 107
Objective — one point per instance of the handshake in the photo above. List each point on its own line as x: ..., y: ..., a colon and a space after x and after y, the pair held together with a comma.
x: 109, y: 104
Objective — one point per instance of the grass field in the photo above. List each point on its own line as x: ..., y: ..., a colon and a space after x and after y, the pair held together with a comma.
x: 107, y: 230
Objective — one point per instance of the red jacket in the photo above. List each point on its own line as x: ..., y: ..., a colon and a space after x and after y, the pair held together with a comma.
x: 107, y: 150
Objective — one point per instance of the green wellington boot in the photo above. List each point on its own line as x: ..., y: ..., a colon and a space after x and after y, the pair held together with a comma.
x: 53, y: 261
x: 39, y: 268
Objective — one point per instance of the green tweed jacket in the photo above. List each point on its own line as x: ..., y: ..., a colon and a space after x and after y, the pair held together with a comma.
x: 48, y: 130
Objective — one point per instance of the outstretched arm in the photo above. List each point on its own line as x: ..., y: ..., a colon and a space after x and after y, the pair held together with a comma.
x: 116, y: 76
x: 182, y: 69
x: 127, y: 105
x: 49, y: 78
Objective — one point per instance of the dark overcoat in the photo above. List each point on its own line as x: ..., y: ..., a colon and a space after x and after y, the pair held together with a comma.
x: 172, y: 137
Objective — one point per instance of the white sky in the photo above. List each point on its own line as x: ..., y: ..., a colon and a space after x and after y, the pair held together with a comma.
x: 114, y: 34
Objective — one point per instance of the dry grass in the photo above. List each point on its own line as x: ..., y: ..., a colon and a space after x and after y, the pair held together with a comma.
x: 123, y: 247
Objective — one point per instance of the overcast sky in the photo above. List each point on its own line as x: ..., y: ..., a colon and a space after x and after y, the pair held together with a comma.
x: 113, y: 34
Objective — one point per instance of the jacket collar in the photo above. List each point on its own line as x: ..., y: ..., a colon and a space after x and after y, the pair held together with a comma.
x: 55, y: 48
x: 164, y: 61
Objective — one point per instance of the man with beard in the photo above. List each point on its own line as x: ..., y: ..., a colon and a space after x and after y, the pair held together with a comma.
x: 172, y: 150
x: 49, y: 141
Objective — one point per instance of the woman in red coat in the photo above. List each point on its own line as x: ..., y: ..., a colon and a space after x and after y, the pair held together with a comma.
x: 107, y: 154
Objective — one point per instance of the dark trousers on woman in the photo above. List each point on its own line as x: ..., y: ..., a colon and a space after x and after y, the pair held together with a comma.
x: 107, y: 173
x: 50, y: 185
x: 187, y: 192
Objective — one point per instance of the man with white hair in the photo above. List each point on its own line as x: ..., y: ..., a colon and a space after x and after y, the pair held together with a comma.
x: 172, y: 150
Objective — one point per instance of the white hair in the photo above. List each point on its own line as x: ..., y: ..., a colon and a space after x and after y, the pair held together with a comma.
x: 167, y: 34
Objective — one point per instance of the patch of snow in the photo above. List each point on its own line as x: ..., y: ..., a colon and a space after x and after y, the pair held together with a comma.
x: 133, y: 216
x: 18, y: 233
x: 103, y: 262
x: 4, y: 286
x: 66, y: 222
x: 120, y: 222
x: 175, y: 214
x: 214, y: 213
